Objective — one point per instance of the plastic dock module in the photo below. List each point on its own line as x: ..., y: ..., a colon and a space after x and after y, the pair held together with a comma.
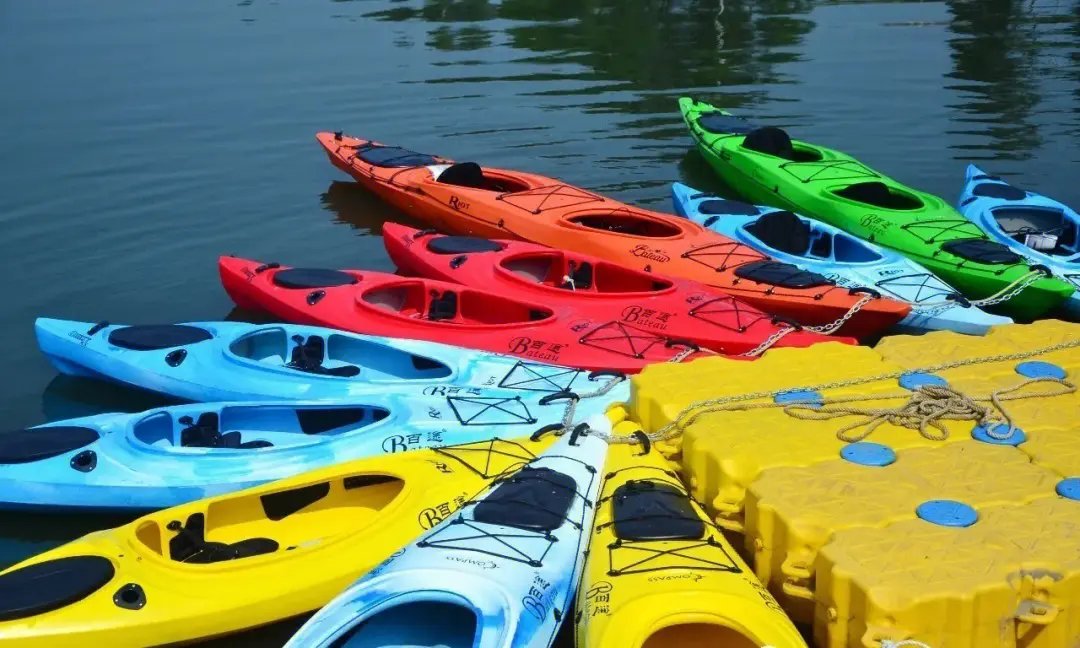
x: 958, y: 536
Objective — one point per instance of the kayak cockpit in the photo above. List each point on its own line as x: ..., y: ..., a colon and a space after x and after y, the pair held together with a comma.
x: 626, y: 223
x: 879, y: 194
x: 790, y: 234
x: 417, y: 300
x: 473, y: 176
x: 776, y: 142
x: 245, y: 526
x: 431, y: 624
x: 556, y: 269
x: 1044, y: 229
x: 335, y: 355
x: 698, y: 635
x: 251, y: 427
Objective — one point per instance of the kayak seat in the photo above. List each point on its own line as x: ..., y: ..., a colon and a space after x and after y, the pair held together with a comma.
x: 51, y: 585
x: 444, y: 307
x: 580, y: 276
x: 654, y: 510
x: 771, y: 141
x: 204, y: 433
x: 190, y: 546
x: 308, y: 356
x: 996, y: 190
x: 878, y: 195
x: 783, y: 231
x: 463, y: 174
x: 307, y: 278
x: 35, y: 444
x: 784, y: 275
x: 727, y: 207
x: 982, y: 251
x: 535, y: 499
x: 461, y: 245
x: 721, y: 124
x: 393, y: 156
x: 153, y: 337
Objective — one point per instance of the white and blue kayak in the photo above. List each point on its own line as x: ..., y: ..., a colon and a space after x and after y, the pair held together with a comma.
x: 233, y: 361
x: 1032, y: 225
x: 171, y: 455
x: 839, y: 257
x: 499, y: 573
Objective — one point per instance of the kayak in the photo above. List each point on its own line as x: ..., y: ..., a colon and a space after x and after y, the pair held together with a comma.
x: 234, y: 361
x: 168, y: 456
x: 424, y: 309
x: 767, y: 167
x: 679, y: 309
x: 244, y: 559
x: 1030, y: 224
x: 501, y: 572
x: 841, y: 257
x: 660, y: 573
x: 464, y: 198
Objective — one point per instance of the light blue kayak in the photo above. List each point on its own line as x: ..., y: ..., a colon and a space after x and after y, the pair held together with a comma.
x: 499, y: 573
x: 1039, y: 228
x: 840, y: 257
x: 171, y: 455
x: 232, y: 361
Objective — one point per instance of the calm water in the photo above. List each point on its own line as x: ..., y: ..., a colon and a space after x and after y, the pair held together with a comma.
x: 141, y: 140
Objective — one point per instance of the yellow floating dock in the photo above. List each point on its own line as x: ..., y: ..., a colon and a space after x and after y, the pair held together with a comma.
x: 872, y: 526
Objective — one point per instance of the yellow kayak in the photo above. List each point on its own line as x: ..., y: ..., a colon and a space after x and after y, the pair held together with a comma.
x: 660, y: 574
x: 244, y: 559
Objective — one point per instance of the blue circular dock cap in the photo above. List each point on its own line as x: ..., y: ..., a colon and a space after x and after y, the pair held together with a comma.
x: 1038, y: 369
x: 915, y: 379
x: 868, y: 453
x: 980, y: 433
x: 1069, y: 487
x: 800, y: 397
x: 948, y: 513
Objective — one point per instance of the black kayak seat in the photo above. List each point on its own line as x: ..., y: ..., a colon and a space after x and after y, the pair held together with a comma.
x: 205, y: 433
x: 152, y: 337
x: 308, y: 356
x: 653, y: 510
x: 463, y: 174
x: 190, y: 546
x: 307, y: 278
x: 51, y: 585
x: 721, y: 124
x: 535, y: 499
x: 997, y: 190
x: 461, y: 245
x: 35, y: 444
x: 771, y: 141
x: 878, y: 195
x: 393, y: 156
x: 982, y: 251
x: 727, y: 207
x: 782, y: 230
x: 444, y: 307
x: 780, y: 274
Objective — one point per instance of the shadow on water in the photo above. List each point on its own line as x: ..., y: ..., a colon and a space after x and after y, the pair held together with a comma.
x: 70, y: 397
x: 362, y: 210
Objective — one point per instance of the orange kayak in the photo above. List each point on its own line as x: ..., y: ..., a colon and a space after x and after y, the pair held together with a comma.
x: 495, y: 203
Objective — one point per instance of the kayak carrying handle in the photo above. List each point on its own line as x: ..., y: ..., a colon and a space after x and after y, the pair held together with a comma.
x: 582, y: 429
x: 565, y: 394
x: 643, y: 439
x: 97, y: 327
x: 673, y: 342
x: 866, y: 290
x: 551, y: 427
x: 776, y: 319
x: 959, y: 299
x: 425, y: 232
x: 1038, y: 267
x: 606, y: 373
x: 267, y: 266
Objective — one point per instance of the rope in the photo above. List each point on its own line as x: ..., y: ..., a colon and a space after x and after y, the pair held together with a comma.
x: 689, y: 414
x: 927, y: 407
x: 905, y: 643
x: 567, y: 279
x: 568, y: 415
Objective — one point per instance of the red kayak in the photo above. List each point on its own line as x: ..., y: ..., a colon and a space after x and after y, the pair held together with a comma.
x: 598, y: 289
x: 377, y: 303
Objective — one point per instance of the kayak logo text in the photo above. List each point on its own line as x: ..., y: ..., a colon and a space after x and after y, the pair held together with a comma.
x: 643, y: 251
x: 645, y: 317
x: 532, y: 348
x: 458, y: 203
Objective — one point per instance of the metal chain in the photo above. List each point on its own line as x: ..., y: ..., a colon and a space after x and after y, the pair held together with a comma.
x: 1003, y: 295
x: 768, y: 342
x: 826, y: 329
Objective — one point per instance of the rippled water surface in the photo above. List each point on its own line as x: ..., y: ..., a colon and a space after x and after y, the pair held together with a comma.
x: 140, y: 140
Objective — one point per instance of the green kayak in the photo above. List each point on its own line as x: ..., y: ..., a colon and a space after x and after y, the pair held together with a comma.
x: 767, y: 167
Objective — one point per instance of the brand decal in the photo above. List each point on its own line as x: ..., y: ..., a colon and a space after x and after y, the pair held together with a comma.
x: 450, y: 390
x: 482, y: 564
x: 645, y: 317
x: 598, y: 599
x: 429, y: 517
x: 458, y: 203
x: 694, y: 576
x: 83, y: 340
x: 874, y: 223
x: 534, y: 600
x: 643, y: 251
x: 404, y: 442
x: 533, y: 348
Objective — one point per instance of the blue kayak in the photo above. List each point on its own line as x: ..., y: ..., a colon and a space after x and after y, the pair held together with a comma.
x: 1034, y: 226
x: 499, y: 573
x: 171, y: 455
x: 840, y: 257
x: 227, y: 361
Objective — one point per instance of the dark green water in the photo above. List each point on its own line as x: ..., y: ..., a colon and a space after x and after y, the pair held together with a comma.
x: 140, y: 140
